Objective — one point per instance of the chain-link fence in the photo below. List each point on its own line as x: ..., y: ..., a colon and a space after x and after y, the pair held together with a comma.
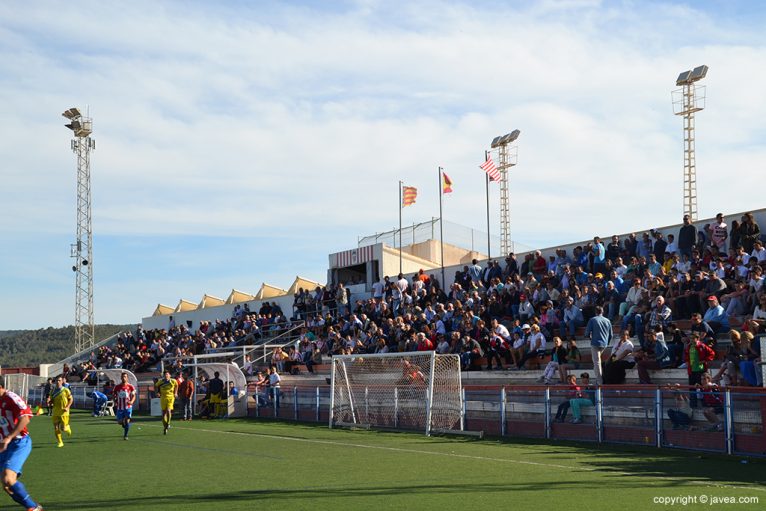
x: 454, y: 234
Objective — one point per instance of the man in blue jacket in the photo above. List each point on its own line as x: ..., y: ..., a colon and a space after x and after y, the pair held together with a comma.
x: 599, y: 331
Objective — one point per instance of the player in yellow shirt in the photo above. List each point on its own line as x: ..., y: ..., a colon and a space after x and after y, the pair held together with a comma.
x: 167, y: 388
x: 61, y: 400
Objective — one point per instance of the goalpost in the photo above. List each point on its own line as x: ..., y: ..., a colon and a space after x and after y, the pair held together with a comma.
x: 414, y: 390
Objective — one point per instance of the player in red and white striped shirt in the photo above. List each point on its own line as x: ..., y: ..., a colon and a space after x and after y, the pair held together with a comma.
x: 15, y: 445
x: 124, y: 396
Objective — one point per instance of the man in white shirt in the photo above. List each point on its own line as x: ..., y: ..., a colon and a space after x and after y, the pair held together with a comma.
x: 500, y: 330
x: 620, y: 268
x: 672, y: 245
x: 401, y: 284
x: 377, y: 290
x: 720, y: 233
x: 759, y: 252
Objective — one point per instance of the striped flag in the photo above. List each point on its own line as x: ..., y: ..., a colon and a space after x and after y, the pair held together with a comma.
x: 409, y: 194
x: 489, y: 167
x: 446, y: 183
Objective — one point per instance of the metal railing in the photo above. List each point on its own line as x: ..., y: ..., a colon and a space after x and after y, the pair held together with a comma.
x: 236, y: 354
x: 58, y: 367
x: 635, y: 415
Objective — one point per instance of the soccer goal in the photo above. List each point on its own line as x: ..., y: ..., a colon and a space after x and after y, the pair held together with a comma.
x: 414, y: 391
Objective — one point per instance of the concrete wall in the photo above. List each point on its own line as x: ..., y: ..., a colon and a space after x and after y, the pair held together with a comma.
x: 431, y: 251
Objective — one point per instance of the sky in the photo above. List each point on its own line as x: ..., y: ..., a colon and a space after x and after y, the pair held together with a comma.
x: 242, y: 142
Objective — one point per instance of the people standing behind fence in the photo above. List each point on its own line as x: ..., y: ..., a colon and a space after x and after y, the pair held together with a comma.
x: 712, y: 402
x: 696, y: 356
x: 681, y: 414
x: 261, y: 388
x: 587, y: 398
x: 573, y: 392
x: 186, y: 393
x: 274, y: 385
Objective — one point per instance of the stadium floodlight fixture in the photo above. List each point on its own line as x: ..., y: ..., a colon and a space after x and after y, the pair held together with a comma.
x: 691, y: 76
x: 74, y: 125
x: 512, y: 136
x: 505, y: 139
x: 698, y: 73
x: 72, y: 113
x: 683, y: 78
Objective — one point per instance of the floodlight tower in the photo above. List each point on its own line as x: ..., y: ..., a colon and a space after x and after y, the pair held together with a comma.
x: 82, y: 250
x: 507, y: 158
x: 687, y: 100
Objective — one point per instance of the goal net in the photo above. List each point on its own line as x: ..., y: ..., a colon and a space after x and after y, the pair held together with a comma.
x: 414, y: 391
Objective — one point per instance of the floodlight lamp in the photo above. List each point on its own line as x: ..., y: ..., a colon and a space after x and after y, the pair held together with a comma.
x: 505, y: 139
x: 698, y: 73
x: 496, y: 142
x: 512, y: 136
x: 72, y: 113
x: 74, y: 125
x: 683, y: 78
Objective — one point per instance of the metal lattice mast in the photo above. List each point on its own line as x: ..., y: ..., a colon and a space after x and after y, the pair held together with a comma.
x: 82, y: 250
x: 688, y: 100
x: 690, y: 165
x: 505, y: 201
x: 507, y: 157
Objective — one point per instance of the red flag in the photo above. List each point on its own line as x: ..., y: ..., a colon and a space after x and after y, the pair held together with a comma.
x: 489, y: 167
x: 446, y: 183
x: 409, y: 194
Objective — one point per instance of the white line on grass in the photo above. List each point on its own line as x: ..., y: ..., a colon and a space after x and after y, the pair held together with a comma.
x: 383, y: 448
x: 463, y: 456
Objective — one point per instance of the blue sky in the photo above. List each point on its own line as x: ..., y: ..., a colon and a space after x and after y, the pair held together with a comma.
x: 241, y: 142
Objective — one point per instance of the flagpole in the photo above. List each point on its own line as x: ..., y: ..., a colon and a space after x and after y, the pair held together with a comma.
x: 400, y: 225
x: 489, y: 249
x: 441, y: 225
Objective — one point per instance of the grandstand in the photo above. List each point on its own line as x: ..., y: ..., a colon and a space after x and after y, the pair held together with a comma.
x: 299, y: 328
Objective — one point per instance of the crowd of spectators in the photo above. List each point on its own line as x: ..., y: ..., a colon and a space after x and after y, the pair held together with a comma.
x: 517, y: 314
x: 144, y: 350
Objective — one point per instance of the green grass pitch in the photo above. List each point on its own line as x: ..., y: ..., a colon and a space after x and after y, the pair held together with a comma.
x: 259, y: 464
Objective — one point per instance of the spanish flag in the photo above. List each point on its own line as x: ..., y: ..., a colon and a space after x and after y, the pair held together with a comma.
x: 409, y: 194
x: 446, y: 183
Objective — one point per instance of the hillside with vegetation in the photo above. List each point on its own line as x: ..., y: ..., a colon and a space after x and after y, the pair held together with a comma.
x: 20, y: 348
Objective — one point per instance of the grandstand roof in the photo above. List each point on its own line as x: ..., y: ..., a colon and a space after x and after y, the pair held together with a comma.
x: 185, y: 305
x: 300, y: 282
x: 269, y: 291
x: 163, y: 310
x: 210, y: 301
x: 239, y: 297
